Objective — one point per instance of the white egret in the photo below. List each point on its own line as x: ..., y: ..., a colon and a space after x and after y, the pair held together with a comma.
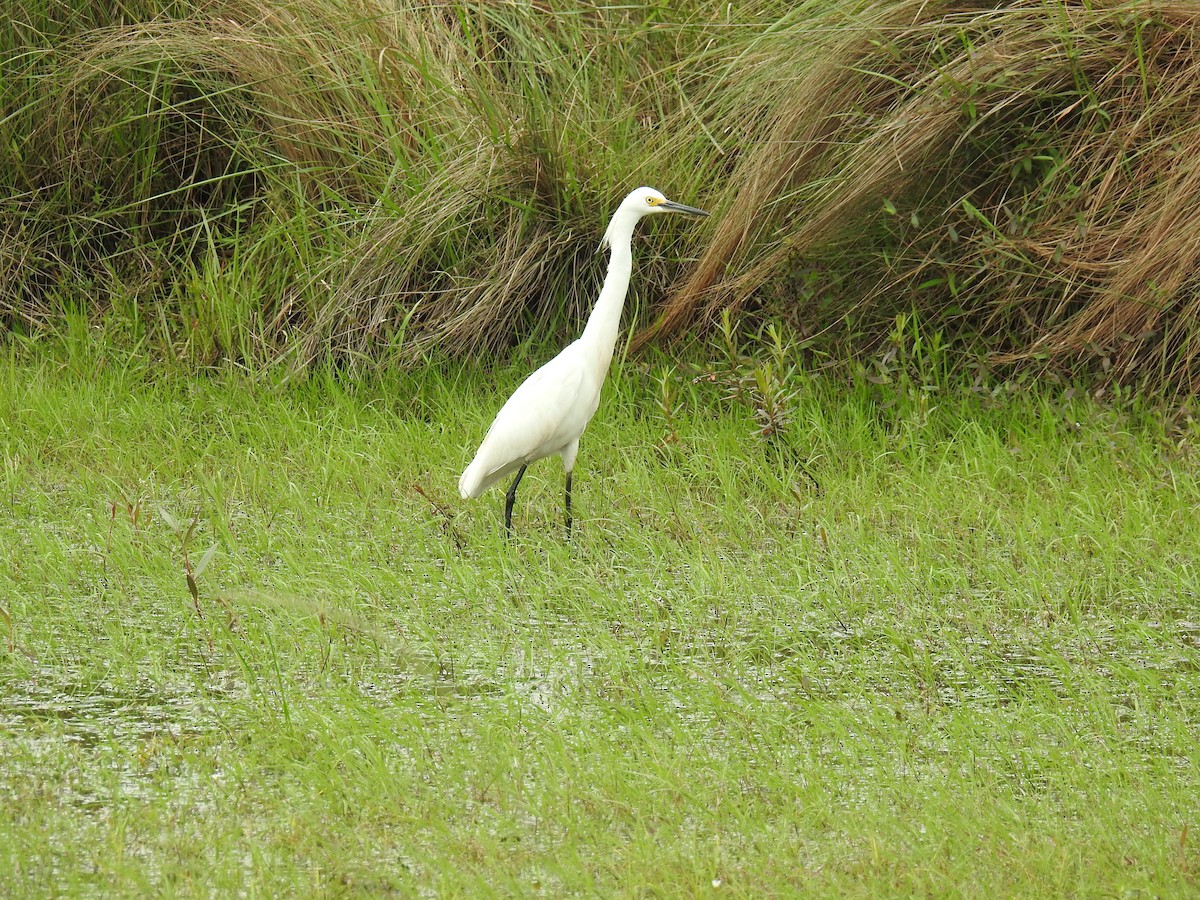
x: 546, y: 415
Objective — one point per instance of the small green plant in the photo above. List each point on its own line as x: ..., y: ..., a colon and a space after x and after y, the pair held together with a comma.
x: 7, y: 619
x: 445, y: 516
x: 668, y: 404
x: 914, y: 358
x: 764, y: 379
x: 185, y: 533
x: 131, y: 503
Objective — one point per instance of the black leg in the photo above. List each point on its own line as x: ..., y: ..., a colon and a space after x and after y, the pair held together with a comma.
x: 510, y: 498
x: 568, y: 506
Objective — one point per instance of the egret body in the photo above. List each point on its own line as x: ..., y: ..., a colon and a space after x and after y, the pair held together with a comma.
x: 546, y: 415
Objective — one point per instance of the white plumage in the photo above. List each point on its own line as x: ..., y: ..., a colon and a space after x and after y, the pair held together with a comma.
x: 546, y: 415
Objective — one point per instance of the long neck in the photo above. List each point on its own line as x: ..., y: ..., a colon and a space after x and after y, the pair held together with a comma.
x: 600, y: 333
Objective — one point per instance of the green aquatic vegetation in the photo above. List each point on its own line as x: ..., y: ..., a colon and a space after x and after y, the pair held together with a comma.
x: 965, y: 663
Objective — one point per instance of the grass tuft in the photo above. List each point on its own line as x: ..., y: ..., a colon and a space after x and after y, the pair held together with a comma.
x: 1026, y: 167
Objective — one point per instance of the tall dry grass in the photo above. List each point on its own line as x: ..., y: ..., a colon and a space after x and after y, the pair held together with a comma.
x: 1036, y: 163
x: 323, y: 177
x: 372, y: 179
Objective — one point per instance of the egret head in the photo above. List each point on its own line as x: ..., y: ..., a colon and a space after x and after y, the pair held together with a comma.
x: 647, y: 201
x: 644, y: 201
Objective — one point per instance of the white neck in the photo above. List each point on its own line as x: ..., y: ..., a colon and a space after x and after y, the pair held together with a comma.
x: 600, y: 334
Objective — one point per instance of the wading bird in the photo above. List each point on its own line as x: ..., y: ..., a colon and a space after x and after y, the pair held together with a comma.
x: 549, y: 411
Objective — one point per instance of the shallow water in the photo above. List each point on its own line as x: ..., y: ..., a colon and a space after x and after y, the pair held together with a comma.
x: 88, y: 712
x: 48, y: 708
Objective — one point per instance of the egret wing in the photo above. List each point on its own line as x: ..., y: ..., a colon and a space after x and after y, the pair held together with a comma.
x: 545, y: 414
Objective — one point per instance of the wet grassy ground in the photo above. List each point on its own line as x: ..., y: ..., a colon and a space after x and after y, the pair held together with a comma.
x: 969, y: 663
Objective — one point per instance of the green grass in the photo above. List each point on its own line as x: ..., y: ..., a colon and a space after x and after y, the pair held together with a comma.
x: 969, y: 664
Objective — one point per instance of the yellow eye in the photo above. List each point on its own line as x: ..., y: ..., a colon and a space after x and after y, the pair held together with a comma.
x: 653, y: 201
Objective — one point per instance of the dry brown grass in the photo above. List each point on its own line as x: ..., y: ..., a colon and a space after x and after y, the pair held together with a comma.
x: 377, y: 176
x: 374, y: 180
x: 1050, y: 153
